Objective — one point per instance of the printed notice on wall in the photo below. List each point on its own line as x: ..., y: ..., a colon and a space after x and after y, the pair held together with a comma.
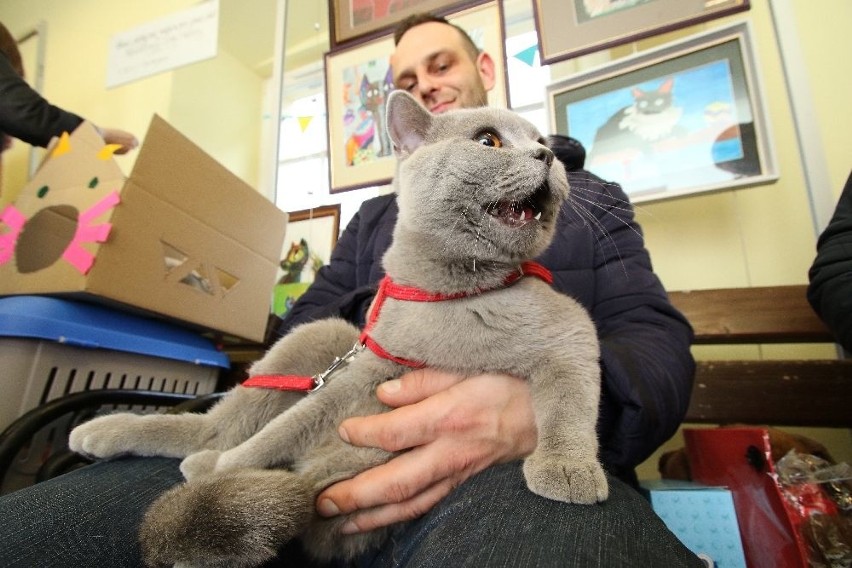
x: 164, y: 44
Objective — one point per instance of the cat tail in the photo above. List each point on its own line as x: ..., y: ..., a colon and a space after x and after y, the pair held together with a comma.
x: 238, y: 518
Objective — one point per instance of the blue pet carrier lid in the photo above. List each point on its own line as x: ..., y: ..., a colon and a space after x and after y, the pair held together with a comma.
x: 87, y: 325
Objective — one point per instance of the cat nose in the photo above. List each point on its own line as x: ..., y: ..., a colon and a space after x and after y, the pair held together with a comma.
x: 544, y: 154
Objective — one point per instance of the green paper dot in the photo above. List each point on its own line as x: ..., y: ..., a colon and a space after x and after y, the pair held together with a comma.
x: 43, y: 191
x: 93, y: 183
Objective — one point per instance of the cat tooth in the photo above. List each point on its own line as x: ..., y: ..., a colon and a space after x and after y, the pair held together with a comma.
x: 538, y: 216
x: 523, y: 215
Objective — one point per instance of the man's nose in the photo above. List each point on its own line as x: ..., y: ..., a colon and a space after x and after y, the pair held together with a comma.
x: 425, y: 86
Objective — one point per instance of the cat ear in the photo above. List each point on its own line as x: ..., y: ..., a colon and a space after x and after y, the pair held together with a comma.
x: 408, y: 122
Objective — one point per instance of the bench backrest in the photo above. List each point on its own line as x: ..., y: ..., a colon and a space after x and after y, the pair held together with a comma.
x: 773, y: 392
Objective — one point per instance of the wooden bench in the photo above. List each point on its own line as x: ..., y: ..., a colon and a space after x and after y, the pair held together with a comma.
x: 773, y: 392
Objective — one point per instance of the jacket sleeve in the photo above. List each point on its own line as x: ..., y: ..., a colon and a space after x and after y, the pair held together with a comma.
x: 25, y: 115
x: 830, y: 288
x: 647, y: 366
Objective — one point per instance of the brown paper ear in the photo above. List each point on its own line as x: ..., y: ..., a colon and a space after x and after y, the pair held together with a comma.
x: 408, y: 122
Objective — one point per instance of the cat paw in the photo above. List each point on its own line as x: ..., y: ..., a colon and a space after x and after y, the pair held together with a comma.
x: 104, y: 437
x: 556, y: 477
x: 200, y: 463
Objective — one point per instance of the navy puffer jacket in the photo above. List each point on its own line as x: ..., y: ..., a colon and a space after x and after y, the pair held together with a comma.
x: 598, y: 257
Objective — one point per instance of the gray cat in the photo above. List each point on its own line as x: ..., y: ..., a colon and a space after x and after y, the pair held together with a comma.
x: 478, y: 196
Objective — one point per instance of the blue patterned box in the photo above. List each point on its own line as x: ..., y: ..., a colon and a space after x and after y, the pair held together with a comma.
x: 702, y: 517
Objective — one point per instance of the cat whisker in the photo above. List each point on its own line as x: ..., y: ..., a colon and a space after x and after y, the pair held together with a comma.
x: 593, y: 222
x: 628, y: 205
x: 606, y: 210
x: 623, y: 204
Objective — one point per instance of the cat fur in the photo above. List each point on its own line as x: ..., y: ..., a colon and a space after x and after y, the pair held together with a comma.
x: 257, y: 460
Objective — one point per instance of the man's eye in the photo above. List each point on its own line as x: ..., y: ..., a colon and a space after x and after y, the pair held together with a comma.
x: 488, y: 138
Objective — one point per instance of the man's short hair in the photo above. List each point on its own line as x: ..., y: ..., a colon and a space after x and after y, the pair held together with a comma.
x: 415, y: 20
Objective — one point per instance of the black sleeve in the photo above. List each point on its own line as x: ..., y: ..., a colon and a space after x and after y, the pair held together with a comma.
x: 26, y: 115
x: 830, y: 289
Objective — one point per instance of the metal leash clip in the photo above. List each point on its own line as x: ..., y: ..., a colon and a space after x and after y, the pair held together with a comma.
x: 319, y: 380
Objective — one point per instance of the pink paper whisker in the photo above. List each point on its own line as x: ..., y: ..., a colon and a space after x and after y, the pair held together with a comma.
x: 16, y: 221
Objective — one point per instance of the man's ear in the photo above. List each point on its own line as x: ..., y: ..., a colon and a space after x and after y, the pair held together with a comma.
x: 485, y: 66
x: 408, y: 122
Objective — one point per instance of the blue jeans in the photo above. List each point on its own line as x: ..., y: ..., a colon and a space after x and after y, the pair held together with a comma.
x: 90, y: 517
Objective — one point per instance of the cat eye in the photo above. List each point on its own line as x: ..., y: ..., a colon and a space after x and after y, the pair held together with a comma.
x: 489, y: 138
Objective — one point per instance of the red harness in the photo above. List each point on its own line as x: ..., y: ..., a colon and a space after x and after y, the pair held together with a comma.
x: 389, y: 289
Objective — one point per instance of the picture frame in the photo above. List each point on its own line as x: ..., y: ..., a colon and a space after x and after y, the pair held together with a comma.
x: 310, y: 237
x: 710, y: 134
x: 570, y: 28
x: 358, y: 80
x: 359, y: 20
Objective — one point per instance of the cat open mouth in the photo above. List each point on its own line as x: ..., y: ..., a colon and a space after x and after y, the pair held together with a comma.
x: 519, y: 213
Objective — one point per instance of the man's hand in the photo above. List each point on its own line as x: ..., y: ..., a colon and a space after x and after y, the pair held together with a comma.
x: 453, y: 429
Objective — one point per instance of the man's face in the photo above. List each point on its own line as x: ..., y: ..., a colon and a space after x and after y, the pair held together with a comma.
x: 431, y: 63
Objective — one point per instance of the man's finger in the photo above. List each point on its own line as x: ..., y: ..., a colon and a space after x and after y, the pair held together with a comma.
x: 386, y: 515
x: 415, y: 386
x: 394, y: 482
x: 385, y: 430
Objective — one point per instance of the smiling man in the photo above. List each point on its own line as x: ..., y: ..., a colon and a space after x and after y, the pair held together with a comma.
x: 439, y: 64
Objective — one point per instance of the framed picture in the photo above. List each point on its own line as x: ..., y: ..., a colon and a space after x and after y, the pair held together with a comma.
x: 684, y: 118
x: 568, y: 28
x: 360, y: 19
x: 309, y: 239
x: 358, y: 80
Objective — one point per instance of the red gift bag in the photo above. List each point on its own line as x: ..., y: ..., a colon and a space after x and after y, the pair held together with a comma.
x: 771, y: 525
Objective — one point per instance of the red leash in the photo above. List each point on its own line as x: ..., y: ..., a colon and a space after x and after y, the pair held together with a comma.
x: 387, y: 289
x: 281, y: 382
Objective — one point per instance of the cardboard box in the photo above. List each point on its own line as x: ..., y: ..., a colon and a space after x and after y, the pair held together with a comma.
x: 702, y: 517
x: 182, y: 237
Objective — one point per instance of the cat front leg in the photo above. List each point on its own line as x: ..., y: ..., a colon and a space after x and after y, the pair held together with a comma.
x: 307, y: 350
x: 241, y: 413
x: 565, y: 466
x: 142, y: 435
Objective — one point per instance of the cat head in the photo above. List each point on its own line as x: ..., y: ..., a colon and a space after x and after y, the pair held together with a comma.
x: 654, y: 101
x: 475, y: 184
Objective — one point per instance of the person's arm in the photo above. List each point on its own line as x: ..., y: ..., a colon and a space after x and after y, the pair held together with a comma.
x: 26, y: 115
x: 830, y: 288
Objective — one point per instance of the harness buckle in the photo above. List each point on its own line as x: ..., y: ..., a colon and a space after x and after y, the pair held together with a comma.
x: 319, y: 379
